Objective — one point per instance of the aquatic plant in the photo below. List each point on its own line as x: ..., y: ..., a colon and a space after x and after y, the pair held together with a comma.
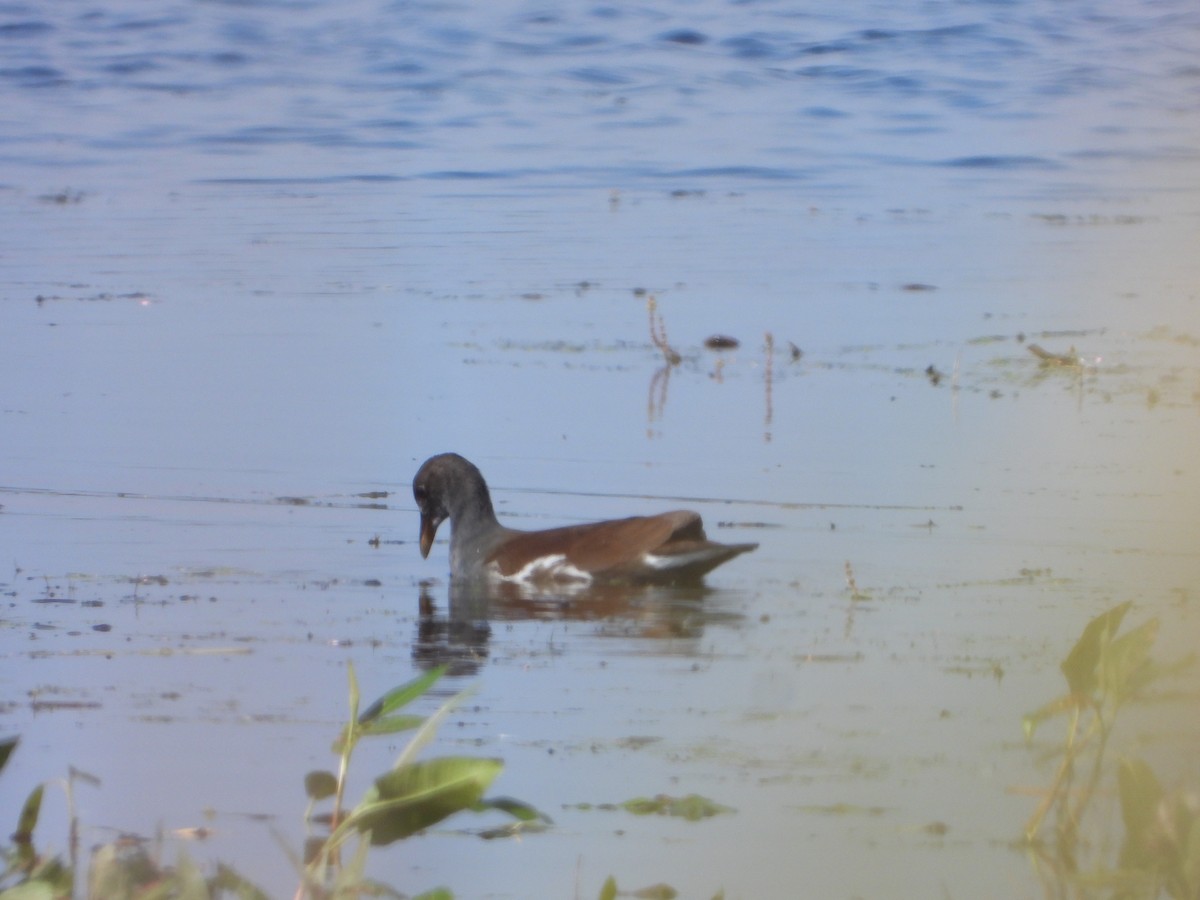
x: 410, y: 797
x: 1105, y: 671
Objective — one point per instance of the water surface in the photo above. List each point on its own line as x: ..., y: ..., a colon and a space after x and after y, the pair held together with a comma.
x: 260, y: 260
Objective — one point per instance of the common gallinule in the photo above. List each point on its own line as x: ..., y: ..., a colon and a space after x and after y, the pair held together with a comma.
x: 666, y: 548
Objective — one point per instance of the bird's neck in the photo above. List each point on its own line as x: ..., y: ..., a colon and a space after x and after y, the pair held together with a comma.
x: 473, y: 525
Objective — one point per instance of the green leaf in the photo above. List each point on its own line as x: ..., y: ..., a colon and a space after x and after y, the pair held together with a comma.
x: 319, y: 785
x: 230, y: 880
x: 391, y: 725
x: 120, y: 873
x: 1190, y: 859
x: 1079, y: 667
x: 1140, y: 796
x: 1125, y: 665
x: 402, y: 695
x: 411, y: 798
x: 439, y: 893
x: 658, y: 891
x: 26, y: 823
x: 32, y: 890
x: 188, y: 883
x: 609, y: 891
x: 7, y: 746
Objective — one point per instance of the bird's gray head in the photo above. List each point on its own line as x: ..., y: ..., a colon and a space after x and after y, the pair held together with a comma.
x: 447, y: 485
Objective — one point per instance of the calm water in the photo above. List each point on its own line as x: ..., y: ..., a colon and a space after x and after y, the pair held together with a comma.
x: 260, y: 259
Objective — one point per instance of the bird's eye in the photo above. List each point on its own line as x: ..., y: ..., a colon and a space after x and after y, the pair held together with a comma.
x: 419, y: 494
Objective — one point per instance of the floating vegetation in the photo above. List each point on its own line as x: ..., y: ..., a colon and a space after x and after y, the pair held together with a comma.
x: 842, y: 809
x: 660, y: 891
x: 693, y: 807
x: 1046, y: 358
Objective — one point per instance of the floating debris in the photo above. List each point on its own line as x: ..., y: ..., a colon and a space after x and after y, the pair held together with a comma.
x: 722, y: 342
x: 934, y: 376
x: 1055, y: 359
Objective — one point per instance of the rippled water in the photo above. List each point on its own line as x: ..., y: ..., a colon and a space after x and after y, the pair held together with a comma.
x: 259, y: 259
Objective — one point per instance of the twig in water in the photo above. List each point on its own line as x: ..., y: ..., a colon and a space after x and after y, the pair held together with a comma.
x: 658, y: 333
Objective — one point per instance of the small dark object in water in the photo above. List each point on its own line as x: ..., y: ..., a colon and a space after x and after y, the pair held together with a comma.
x: 1054, y: 359
x: 722, y: 342
x: 686, y: 36
x: 667, y: 548
x: 918, y: 286
x: 795, y: 351
x: 934, y: 376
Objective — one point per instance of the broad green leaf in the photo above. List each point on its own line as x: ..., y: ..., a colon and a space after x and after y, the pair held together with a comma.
x: 120, y: 873
x: 31, y: 890
x: 1140, y: 795
x: 7, y: 746
x: 1124, y: 662
x: 55, y: 874
x: 402, y: 695
x: 189, y: 884
x: 609, y: 891
x: 319, y: 785
x: 1079, y: 667
x: 416, y: 796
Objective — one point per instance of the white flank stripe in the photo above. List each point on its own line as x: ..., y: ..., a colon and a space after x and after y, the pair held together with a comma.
x: 545, y: 568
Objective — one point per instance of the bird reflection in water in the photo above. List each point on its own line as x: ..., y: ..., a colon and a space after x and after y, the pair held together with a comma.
x: 459, y: 636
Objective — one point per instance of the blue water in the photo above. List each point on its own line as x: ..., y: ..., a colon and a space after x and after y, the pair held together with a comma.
x: 258, y: 259
x: 828, y: 100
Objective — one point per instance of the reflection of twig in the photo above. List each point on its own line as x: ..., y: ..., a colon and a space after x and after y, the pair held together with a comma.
x: 855, y: 593
x: 855, y: 596
x: 657, y: 401
x: 769, y: 379
x: 658, y: 333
